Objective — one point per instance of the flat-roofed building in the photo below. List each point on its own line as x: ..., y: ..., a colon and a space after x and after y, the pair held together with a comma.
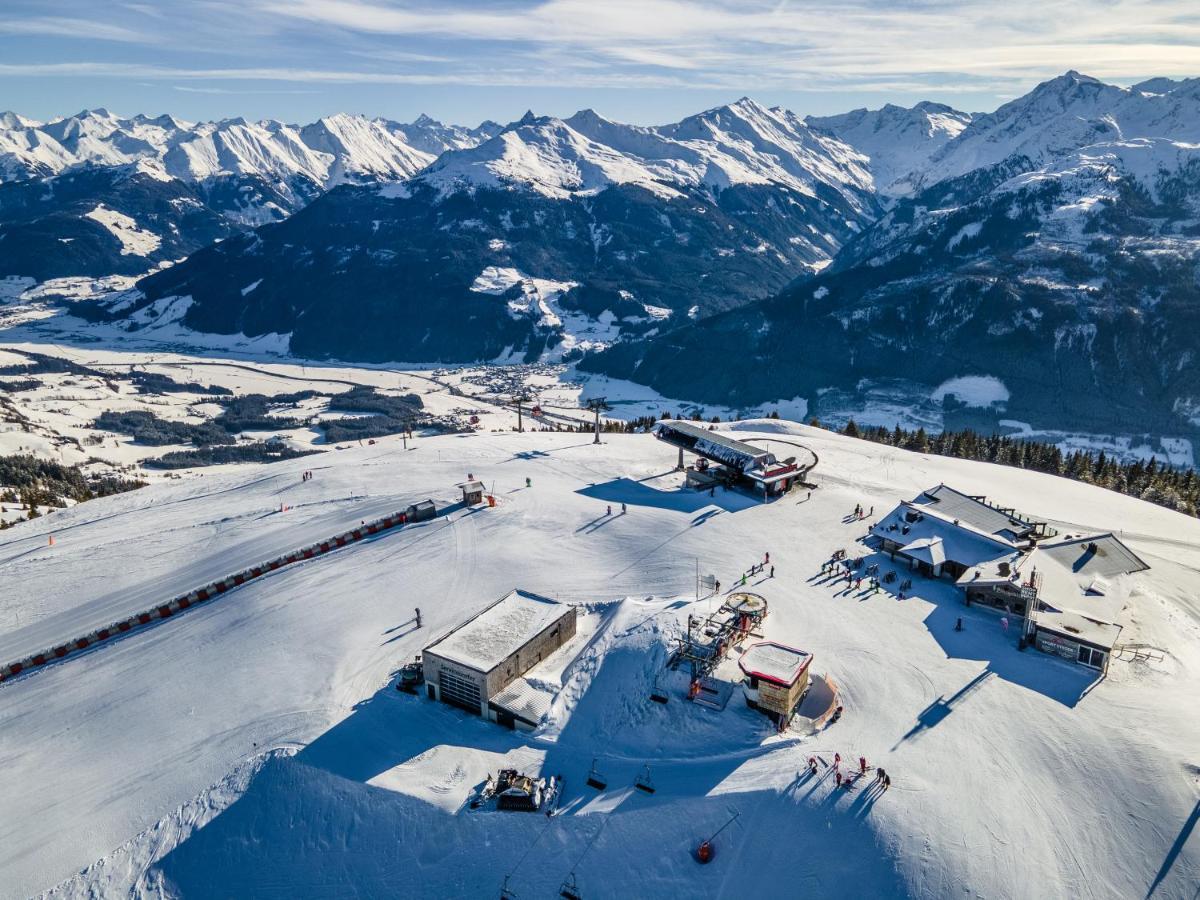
x: 478, y: 666
x: 775, y: 677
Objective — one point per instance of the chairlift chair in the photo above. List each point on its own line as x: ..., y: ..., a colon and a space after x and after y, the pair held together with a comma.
x: 643, y: 782
x: 569, y: 889
x: 595, y: 779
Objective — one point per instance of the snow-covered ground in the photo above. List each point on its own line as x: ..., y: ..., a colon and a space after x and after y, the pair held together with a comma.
x: 255, y: 746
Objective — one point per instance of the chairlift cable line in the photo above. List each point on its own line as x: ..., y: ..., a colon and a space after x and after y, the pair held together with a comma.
x: 529, y: 849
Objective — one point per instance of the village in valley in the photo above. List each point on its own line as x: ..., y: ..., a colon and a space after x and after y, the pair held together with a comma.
x: 588, y: 661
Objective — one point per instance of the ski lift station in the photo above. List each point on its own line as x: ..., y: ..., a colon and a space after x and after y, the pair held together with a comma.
x: 776, y: 677
x: 479, y: 665
x: 724, y: 460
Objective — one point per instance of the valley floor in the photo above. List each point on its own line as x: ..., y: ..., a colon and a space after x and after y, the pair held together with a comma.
x: 262, y: 730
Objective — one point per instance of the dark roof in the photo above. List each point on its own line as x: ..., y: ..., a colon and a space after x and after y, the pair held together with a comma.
x: 713, y: 445
x: 973, y: 511
x: 1102, y: 555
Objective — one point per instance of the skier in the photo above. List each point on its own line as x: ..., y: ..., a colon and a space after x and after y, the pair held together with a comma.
x: 772, y: 571
x: 1004, y: 623
x: 812, y: 764
x: 609, y: 511
x: 880, y: 774
x: 624, y: 509
x: 958, y: 624
x: 838, y: 776
x: 743, y: 579
x: 716, y: 587
x: 837, y: 760
x: 766, y: 558
x: 862, y: 765
x: 528, y: 482
x: 887, y: 782
x: 417, y: 611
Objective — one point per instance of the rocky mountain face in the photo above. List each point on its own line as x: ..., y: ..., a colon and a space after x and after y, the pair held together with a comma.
x: 115, y: 220
x: 1054, y: 283
x: 549, y: 239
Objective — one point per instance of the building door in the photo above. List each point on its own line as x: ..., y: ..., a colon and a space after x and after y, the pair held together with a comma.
x: 1091, y: 657
x: 459, y: 691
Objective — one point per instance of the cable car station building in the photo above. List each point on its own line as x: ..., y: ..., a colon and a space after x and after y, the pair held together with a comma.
x: 724, y: 460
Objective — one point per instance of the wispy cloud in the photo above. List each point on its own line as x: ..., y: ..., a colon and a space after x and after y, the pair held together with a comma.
x: 821, y: 43
x: 238, y: 92
x: 915, y: 47
x: 51, y: 26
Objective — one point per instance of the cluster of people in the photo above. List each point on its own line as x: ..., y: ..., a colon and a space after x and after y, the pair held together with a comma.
x: 624, y: 509
x: 306, y: 476
x: 764, y: 566
x: 847, y: 780
x: 860, y: 513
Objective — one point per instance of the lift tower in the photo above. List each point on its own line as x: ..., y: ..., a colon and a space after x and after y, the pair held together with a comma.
x: 518, y: 399
x: 597, y: 406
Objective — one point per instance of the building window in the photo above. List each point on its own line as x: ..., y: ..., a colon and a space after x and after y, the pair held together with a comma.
x: 1091, y: 657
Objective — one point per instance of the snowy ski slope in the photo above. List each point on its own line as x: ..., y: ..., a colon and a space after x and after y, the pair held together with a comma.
x: 255, y: 747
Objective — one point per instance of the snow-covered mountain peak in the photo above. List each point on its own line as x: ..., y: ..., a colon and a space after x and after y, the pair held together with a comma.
x: 545, y: 155
x: 897, y: 140
x: 743, y: 143
x: 333, y: 149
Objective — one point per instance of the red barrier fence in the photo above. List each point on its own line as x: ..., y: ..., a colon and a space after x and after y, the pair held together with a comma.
x: 208, y: 592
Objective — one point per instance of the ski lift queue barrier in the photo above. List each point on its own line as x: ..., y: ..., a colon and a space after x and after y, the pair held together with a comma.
x: 200, y: 595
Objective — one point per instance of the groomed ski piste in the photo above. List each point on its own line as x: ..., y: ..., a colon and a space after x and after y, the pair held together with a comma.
x: 255, y: 745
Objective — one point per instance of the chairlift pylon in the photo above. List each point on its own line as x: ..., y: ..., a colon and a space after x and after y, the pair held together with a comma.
x: 505, y: 893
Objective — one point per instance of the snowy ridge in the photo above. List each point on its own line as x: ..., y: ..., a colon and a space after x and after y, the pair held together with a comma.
x: 1063, y: 115
x: 897, y: 141
x: 743, y: 143
x: 334, y: 149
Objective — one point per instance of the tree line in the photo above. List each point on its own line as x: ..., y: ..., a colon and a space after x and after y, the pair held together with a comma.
x: 1173, y: 487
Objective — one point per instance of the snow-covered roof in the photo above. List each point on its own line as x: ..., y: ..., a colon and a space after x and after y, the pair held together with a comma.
x: 1076, y: 627
x: 471, y: 487
x: 774, y: 662
x: 959, y: 541
x: 503, y: 628
x: 973, y: 511
x: 524, y: 700
x: 927, y: 549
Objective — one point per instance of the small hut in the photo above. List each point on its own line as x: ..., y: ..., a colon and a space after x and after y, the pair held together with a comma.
x: 472, y: 492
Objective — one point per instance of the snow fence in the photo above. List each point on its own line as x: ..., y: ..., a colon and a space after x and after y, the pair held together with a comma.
x: 202, y: 594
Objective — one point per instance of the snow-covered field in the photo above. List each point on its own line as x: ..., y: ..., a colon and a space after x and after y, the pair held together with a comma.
x: 255, y: 746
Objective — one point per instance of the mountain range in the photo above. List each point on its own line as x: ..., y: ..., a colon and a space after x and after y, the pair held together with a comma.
x: 1036, y: 264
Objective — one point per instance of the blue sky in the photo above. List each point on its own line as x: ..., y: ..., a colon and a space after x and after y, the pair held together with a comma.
x: 643, y: 61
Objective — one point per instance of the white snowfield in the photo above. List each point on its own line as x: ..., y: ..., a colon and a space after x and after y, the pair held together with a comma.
x: 255, y: 746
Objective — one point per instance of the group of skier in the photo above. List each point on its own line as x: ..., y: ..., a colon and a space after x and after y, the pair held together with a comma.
x: 306, y: 476
x: 847, y: 780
